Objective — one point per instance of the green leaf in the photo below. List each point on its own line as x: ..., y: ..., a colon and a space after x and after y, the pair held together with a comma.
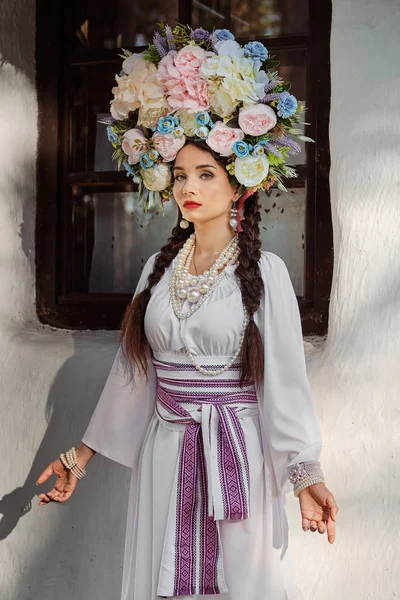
x: 271, y: 64
x: 304, y: 138
x: 286, y: 86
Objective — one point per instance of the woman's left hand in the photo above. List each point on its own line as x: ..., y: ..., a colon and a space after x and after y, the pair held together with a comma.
x: 318, y: 510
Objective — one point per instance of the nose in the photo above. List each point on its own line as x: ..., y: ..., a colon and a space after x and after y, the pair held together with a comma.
x: 189, y: 187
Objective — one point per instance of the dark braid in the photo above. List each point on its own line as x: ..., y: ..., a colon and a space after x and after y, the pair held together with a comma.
x: 252, y: 287
x: 133, y: 338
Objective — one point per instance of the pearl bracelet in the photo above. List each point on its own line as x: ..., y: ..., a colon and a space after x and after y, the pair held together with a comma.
x: 70, y: 462
x: 307, y: 482
x: 304, y: 474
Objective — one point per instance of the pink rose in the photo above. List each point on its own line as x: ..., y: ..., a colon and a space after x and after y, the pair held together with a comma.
x: 133, y: 144
x: 179, y: 73
x: 168, y: 145
x: 257, y: 119
x: 221, y: 138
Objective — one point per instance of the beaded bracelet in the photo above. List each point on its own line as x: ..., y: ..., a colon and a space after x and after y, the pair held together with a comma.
x: 304, y: 474
x: 70, y: 462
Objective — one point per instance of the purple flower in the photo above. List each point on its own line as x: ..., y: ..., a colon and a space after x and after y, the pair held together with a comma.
x: 270, y: 148
x: 200, y: 35
x: 287, y: 105
x: 170, y: 38
x: 294, y: 147
x: 270, y: 97
x: 160, y: 44
x: 272, y: 83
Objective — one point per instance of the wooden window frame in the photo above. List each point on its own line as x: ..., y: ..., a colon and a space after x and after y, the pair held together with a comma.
x: 104, y: 311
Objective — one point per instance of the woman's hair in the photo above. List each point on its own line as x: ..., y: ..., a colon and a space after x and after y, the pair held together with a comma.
x: 133, y: 338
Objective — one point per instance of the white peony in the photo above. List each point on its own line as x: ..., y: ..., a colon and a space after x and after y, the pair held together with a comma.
x: 157, y: 178
x: 251, y: 170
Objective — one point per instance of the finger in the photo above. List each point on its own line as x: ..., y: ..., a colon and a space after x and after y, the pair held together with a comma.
x: 44, y: 499
x: 321, y: 527
x: 64, y: 496
x: 334, y: 511
x: 331, y: 528
x: 305, y: 523
x: 313, y: 526
x: 48, y: 472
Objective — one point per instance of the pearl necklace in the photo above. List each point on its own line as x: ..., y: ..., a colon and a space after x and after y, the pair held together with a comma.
x: 214, y: 372
x: 196, y: 289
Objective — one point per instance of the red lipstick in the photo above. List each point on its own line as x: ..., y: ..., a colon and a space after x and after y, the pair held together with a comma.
x: 191, y: 204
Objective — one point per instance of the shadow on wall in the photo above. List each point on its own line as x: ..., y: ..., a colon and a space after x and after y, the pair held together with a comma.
x: 76, y: 547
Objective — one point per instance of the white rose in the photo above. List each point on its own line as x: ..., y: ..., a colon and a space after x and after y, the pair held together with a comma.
x: 156, y: 178
x: 251, y: 170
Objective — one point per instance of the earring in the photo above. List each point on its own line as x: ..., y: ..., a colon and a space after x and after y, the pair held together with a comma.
x: 233, y: 221
x: 184, y: 224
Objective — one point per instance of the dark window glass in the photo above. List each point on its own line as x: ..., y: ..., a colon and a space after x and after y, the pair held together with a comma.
x: 252, y: 18
x: 111, y: 241
x: 101, y: 24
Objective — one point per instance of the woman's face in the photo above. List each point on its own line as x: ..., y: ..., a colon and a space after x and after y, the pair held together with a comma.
x: 201, y: 186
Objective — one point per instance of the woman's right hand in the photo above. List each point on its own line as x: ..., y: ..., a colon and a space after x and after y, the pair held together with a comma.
x: 64, y: 487
x: 66, y: 482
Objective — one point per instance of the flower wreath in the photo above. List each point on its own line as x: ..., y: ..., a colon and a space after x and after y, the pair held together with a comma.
x: 193, y: 84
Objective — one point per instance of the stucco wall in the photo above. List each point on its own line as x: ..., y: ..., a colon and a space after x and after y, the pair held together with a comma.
x: 50, y: 380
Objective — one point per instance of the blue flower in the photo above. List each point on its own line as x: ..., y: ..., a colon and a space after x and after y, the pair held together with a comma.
x: 166, y: 124
x: 176, y: 120
x: 130, y: 170
x: 153, y: 154
x: 146, y: 162
x: 178, y: 131
x: 202, y: 118
x: 240, y: 148
x: 202, y: 132
x: 223, y: 34
x: 200, y: 35
x: 258, y: 150
x: 112, y: 136
x: 287, y: 105
x: 256, y: 50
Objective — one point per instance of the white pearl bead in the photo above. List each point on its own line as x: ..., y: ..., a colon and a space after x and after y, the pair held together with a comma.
x: 193, y: 295
x: 182, y: 293
x: 213, y: 272
x: 204, y: 288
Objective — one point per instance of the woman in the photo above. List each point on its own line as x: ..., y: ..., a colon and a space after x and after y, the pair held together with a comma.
x: 220, y: 410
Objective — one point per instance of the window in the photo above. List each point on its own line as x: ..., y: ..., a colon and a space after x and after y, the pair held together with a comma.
x: 90, y: 244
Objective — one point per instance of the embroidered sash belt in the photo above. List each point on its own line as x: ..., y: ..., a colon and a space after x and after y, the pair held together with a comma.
x: 212, y: 484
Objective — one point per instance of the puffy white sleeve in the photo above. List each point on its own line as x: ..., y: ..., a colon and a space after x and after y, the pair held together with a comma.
x: 125, y: 407
x: 291, y: 432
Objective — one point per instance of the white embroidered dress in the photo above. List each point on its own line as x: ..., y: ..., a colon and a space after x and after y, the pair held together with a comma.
x: 209, y: 459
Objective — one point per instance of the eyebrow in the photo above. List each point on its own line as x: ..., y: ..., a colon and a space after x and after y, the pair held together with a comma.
x: 198, y: 167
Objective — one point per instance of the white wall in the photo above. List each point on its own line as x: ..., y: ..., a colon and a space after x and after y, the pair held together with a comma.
x: 50, y: 380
